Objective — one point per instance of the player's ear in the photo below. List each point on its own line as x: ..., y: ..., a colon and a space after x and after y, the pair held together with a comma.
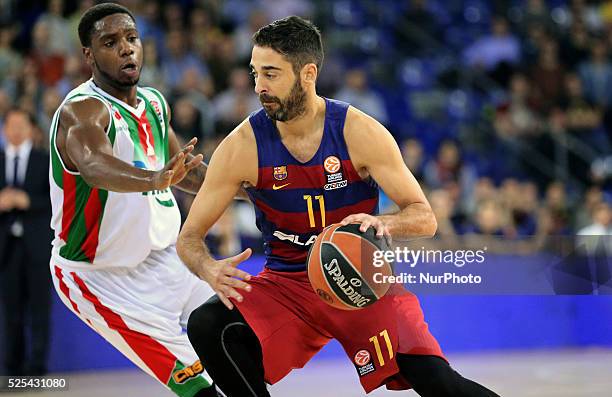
x: 309, y: 73
x: 87, y: 55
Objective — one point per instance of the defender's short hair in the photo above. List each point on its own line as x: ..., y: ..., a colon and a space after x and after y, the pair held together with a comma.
x: 94, y: 14
x: 298, y: 39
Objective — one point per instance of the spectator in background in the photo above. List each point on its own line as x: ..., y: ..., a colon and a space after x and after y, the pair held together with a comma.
x: 244, y: 33
x: 580, y: 10
x: 443, y: 207
x: 548, y: 76
x: 277, y: 9
x: 537, y: 14
x: 412, y: 152
x: 591, y: 198
x: 490, y: 219
x: 222, y: 238
x: 448, y: 171
x: 195, y: 88
x: 583, y: 120
x: 601, y: 221
x: 29, y: 87
x: 51, y: 101
x: 492, y: 49
x: 152, y: 74
x: 59, y: 29
x: 203, y: 31
x: 222, y: 58
x: 416, y: 30
x: 517, y: 117
x: 521, y: 202
x: 596, y: 236
x: 581, y: 114
x: 148, y: 22
x: 356, y: 92
x: 558, y: 209
x: 10, y: 60
x: 73, y: 23
x: 186, y: 121
x: 576, y: 46
x: 596, y: 75
x: 172, y: 17
x: 25, y: 211
x: 535, y: 38
x: 49, y: 63
x: 179, y: 59
x: 73, y: 76
x: 237, y: 102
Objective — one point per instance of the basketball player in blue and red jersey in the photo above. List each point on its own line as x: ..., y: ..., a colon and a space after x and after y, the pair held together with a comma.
x: 307, y: 162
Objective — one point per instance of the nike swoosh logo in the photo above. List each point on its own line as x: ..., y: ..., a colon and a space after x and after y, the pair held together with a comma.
x: 274, y: 187
x: 165, y: 203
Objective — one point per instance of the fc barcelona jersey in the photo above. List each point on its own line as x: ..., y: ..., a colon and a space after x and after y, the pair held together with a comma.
x: 294, y: 201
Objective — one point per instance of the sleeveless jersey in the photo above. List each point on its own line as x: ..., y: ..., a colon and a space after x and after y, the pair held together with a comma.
x: 294, y: 201
x: 97, y: 228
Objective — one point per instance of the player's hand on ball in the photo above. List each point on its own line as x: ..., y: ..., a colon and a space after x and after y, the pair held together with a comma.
x: 226, y: 279
x: 178, y: 166
x: 366, y: 221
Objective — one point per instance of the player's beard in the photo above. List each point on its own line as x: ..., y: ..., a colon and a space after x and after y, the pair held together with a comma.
x: 113, y: 81
x: 291, y: 107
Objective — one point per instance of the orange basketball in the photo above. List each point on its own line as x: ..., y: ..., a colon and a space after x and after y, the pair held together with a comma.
x: 343, y: 268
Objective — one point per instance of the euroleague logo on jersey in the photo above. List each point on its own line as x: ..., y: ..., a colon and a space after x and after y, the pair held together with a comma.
x: 331, y: 164
x: 333, y: 169
x: 362, y: 357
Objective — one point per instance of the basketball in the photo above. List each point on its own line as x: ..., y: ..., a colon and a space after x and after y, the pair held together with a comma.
x: 341, y: 267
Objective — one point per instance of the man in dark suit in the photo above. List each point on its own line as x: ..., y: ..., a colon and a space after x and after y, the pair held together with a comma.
x: 25, y: 237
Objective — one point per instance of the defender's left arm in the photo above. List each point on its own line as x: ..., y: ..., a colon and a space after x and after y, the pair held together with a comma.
x: 375, y: 153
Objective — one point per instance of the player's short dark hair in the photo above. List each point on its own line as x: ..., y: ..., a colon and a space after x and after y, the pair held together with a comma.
x: 296, y: 38
x: 93, y: 15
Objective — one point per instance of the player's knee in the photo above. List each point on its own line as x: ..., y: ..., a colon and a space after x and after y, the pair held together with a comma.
x: 430, y: 376
x: 442, y: 383
x: 206, y: 322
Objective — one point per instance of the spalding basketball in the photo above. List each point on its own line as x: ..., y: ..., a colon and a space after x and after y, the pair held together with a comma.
x: 342, y: 267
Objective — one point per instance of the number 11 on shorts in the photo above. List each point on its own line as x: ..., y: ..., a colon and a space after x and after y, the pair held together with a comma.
x: 376, y: 343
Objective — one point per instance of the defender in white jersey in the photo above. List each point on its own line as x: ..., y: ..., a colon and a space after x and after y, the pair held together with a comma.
x: 114, y: 157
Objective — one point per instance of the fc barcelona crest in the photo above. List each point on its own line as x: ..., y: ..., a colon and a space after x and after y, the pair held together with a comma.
x: 280, y: 173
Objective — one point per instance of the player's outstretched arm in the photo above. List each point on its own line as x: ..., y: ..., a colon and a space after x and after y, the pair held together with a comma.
x: 84, y: 147
x: 374, y: 150
x: 233, y: 163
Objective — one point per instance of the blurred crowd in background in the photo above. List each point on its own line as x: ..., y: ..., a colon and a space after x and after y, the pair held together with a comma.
x: 502, y: 109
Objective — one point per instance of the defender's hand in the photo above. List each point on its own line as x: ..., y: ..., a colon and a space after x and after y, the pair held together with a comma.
x: 225, y: 279
x: 178, y: 166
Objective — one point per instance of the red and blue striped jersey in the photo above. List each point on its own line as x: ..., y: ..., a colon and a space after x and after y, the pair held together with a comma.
x: 294, y: 201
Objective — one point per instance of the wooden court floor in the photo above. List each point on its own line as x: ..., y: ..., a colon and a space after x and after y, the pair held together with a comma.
x: 568, y: 373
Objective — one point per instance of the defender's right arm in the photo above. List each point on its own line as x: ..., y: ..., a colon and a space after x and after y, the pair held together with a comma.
x: 84, y: 147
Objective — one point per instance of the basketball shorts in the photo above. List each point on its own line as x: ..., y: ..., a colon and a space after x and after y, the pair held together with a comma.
x: 292, y: 324
x: 142, y: 312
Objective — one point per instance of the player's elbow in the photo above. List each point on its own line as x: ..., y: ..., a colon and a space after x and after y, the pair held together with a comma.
x: 181, y: 244
x: 430, y: 225
x: 92, y: 172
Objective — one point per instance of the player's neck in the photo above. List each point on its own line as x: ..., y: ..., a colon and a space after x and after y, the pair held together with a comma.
x: 126, y: 95
x: 303, y: 125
